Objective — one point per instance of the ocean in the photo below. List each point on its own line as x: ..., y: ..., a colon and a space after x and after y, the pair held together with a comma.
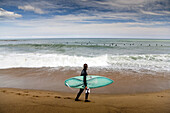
x: 116, y: 54
x: 28, y: 63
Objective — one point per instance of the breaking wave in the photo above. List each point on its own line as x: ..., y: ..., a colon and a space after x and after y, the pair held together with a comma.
x: 151, y: 62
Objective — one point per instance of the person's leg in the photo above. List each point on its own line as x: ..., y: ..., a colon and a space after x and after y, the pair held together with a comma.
x: 78, y: 95
x: 86, y: 96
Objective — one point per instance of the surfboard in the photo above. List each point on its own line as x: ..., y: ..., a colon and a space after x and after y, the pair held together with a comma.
x: 93, y: 81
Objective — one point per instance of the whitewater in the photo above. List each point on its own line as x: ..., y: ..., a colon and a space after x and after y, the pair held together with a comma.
x: 117, y: 54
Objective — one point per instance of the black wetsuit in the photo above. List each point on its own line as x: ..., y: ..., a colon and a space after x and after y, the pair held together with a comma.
x: 84, y: 74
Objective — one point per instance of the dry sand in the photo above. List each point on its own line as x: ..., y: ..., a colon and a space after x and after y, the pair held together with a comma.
x: 36, y: 101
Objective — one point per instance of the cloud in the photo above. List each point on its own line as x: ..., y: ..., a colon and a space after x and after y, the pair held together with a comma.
x: 51, y: 29
x: 151, y: 13
x: 82, y: 19
x: 166, y: 12
x: 67, y: 26
x: 88, y: 18
x: 31, y: 8
x: 8, y: 14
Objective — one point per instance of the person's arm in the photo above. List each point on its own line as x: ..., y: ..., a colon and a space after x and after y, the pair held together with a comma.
x: 85, y: 82
x: 84, y: 79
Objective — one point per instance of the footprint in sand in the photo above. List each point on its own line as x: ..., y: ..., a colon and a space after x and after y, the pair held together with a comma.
x: 67, y: 98
x: 160, y: 96
x: 21, y: 94
x: 25, y: 94
x: 3, y: 91
x: 35, y: 96
x: 18, y: 93
x: 57, y: 97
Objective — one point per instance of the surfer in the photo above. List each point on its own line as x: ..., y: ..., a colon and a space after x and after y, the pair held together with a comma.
x: 84, y: 74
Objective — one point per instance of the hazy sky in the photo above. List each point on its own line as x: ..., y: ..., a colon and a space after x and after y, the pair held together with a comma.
x: 85, y: 18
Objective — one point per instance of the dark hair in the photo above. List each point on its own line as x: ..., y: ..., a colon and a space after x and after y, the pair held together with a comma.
x: 85, y: 66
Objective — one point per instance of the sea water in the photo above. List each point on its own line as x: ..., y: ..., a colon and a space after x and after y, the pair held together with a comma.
x: 117, y: 54
x: 134, y: 54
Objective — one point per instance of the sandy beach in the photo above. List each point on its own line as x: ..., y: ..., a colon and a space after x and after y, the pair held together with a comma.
x: 33, y: 73
x: 42, y: 90
x: 37, y: 101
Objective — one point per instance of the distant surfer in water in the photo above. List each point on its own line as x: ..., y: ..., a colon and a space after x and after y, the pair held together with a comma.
x: 84, y: 74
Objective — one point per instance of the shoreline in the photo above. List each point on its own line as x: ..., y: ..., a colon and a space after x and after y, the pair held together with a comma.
x: 52, y: 79
x: 38, y: 101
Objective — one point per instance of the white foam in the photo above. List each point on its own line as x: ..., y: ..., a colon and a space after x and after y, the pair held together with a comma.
x: 49, y: 60
x: 151, y: 62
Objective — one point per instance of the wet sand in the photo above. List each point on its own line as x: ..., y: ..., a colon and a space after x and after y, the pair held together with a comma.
x: 37, y: 101
x: 125, y: 82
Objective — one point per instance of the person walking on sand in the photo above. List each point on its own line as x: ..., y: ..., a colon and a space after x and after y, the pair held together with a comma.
x: 84, y: 74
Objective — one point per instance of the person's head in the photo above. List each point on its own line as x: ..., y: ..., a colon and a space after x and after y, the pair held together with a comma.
x: 85, y: 66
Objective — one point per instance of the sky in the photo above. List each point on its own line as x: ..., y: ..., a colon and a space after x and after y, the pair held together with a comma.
x: 85, y: 19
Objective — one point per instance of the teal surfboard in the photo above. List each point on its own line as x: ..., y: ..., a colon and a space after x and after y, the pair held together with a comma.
x: 93, y: 81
